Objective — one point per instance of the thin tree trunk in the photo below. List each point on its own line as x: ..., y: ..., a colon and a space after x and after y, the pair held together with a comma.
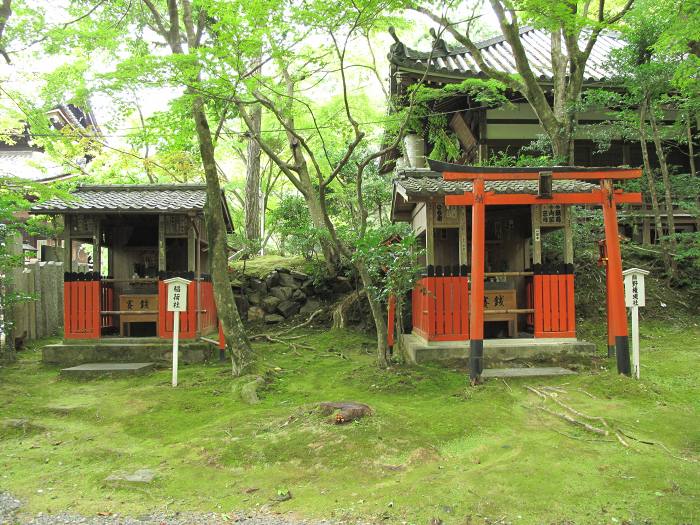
x: 691, y: 148
x: 252, y: 180
x: 377, y: 315
x: 234, y: 333
x: 668, y: 199
x: 232, y: 327
x: 658, y: 225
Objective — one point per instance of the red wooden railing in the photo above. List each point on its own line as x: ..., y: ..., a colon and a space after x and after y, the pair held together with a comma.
x: 107, y: 304
x: 81, y: 306
x: 441, y: 306
x: 553, y: 301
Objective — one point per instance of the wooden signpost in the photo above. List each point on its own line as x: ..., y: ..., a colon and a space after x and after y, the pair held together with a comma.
x: 177, y: 302
x: 634, y: 298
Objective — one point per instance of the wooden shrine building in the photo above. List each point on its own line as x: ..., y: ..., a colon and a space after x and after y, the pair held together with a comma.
x: 120, y: 243
x: 486, y: 276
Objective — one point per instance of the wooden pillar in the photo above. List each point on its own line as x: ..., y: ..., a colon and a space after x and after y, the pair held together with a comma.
x: 476, y: 321
x: 429, y: 233
x: 97, y: 247
x: 616, y: 293
x: 536, y: 218
x: 191, y: 246
x: 161, y: 243
x: 463, y: 256
x: 568, y: 235
x: 67, y: 245
x: 482, y: 152
x: 196, y: 226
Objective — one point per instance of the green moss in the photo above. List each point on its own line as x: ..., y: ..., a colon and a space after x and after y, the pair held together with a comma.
x: 261, y: 266
x: 434, y: 446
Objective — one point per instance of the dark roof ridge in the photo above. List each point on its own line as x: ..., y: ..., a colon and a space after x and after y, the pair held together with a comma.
x: 140, y: 187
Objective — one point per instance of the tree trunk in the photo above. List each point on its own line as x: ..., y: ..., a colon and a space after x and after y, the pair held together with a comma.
x: 691, y: 148
x: 562, y: 147
x: 658, y: 225
x: 377, y: 315
x: 252, y: 181
x: 234, y: 333
x: 668, y: 199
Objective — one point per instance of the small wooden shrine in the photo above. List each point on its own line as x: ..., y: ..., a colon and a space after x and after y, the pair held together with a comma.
x: 486, y: 273
x: 120, y: 243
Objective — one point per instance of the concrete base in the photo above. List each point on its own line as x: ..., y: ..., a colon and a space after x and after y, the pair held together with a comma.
x: 531, y: 350
x: 547, y: 371
x: 125, y: 350
x: 95, y: 370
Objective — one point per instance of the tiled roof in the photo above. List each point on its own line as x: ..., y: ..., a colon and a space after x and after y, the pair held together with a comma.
x: 457, y: 62
x: 430, y: 183
x: 129, y: 198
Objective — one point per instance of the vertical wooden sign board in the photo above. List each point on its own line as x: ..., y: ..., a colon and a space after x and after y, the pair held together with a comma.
x: 177, y: 302
x: 634, y: 298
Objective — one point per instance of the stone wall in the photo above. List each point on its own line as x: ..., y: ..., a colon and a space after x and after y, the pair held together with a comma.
x: 285, y: 293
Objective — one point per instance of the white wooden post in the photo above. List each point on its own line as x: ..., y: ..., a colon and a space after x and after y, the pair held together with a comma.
x: 634, y: 298
x: 177, y: 302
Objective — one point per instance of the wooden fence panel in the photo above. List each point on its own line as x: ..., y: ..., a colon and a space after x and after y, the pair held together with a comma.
x: 553, y: 301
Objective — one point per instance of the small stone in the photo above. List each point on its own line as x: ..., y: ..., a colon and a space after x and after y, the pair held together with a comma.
x: 273, y: 318
x: 273, y: 279
x: 140, y: 476
x: 282, y: 292
x: 254, y: 298
x: 282, y: 270
x: 288, y: 308
x: 298, y: 295
x: 256, y: 314
x: 310, y: 306
x: 270, y: 303
x: 299, y: 275
x: 286, y: 279
x: 258, y: 285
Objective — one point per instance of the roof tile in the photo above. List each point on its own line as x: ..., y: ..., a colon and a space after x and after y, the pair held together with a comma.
x: 127, y: 198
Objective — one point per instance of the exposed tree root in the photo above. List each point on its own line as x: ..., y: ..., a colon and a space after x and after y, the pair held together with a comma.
x: 342, y: 307
x: 288, y: 340
x: 546, y: 393
x: 573, y: 421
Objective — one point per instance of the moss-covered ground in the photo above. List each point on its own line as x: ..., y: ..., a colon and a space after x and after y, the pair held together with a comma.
x: 433, y: 448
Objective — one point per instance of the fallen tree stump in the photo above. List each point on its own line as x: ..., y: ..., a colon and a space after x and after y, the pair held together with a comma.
x: 344, y: 411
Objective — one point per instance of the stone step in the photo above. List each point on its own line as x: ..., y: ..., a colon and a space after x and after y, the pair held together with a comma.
x: 95, y: 370
x: 547, y: 371
x: 78, y: 353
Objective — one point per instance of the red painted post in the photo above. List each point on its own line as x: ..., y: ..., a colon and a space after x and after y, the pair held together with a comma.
x: 476, y: 325
x: 616, y: 293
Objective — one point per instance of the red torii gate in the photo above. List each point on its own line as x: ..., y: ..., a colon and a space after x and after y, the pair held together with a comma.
x: 606, y: 196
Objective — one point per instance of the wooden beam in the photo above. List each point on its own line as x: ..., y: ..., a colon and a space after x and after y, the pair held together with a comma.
x: 67, y: 245
x: 568, y: 235
x: 536, y: 220
x: 631, y: 173
x: 463, y: 255
x: 191, y: 246
x: 161, y: 243
x: 512, y: 199
x: 429, y: 233
x: 97, y: 246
